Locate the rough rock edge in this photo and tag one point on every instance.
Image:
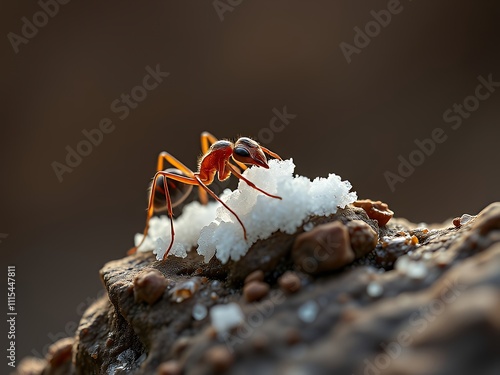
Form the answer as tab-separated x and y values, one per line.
349	320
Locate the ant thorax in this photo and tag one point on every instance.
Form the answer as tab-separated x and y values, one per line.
220	145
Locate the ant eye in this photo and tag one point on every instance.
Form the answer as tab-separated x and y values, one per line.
240	151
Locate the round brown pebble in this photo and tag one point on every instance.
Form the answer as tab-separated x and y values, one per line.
169	368
456	222
375	210
180	345
325	248
219	358
257	275
289	282
255	290
362	237
292	337
149	286
260	342
210	332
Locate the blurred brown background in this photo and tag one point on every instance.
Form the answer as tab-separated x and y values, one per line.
226	77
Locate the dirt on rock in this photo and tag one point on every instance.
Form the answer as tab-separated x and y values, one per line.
410	300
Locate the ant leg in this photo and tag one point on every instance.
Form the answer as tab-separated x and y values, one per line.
165	156
250	183
213	195
185	180
207	140
270	153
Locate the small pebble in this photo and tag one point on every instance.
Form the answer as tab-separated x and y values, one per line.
180	345
216	284
362	237
257	275
442	260
210	332
225	317
427	256
169	368
292	336
219	358
374	289
465	218
149	286
289	282
185	289
414	240
402	264
325	248
199	311
308	226
308	311
416	270
375	210
260	342
255	291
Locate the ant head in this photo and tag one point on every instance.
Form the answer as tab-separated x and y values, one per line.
248	151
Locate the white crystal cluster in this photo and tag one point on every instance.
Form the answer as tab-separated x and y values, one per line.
215	231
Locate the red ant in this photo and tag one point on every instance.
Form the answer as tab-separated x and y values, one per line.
216	159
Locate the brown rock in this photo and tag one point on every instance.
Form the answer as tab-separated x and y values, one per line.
220	358
375	210
255	290
257	275
169	368
180	346
292	336
325	248
260	342
363	238
149	286
457	306
289	282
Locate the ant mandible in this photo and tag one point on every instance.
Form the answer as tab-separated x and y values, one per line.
216	159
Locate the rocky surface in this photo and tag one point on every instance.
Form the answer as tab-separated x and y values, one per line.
350	297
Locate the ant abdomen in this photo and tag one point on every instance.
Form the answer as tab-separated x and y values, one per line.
178	191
